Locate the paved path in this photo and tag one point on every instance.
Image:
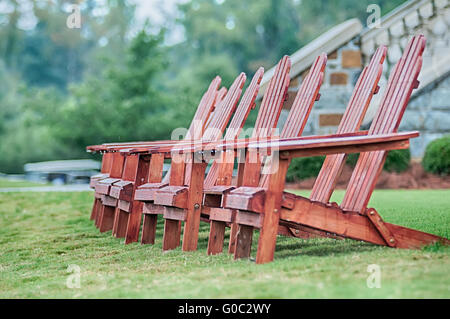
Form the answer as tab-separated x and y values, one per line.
62	188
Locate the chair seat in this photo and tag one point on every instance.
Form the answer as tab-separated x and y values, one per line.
96	178
146	192
213	195
175	196
122	190
104	186
109	201
246	198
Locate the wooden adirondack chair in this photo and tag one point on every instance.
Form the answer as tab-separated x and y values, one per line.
365	88
146	193
103	186
184	203
266	208
295	123
104	173
204	110
128	212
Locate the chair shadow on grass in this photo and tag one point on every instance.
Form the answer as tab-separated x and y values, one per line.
320	247
286	247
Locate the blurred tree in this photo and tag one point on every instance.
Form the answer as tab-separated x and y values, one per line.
126	102
259	32
63	88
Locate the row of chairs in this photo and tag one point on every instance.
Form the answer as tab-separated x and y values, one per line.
131	183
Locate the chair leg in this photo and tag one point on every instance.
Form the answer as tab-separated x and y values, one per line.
267	239
149	229
133	223
120	223
233	235
94	209
243	242
171	237
99	215
216	237
107	218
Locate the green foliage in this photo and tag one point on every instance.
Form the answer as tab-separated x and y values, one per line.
437	156
304	167
26	137
396	160
259	32
63	89
126	102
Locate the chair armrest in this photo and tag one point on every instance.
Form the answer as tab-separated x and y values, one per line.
337	145
308	146
114	147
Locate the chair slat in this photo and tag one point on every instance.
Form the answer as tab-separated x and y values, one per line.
224	111
303	103
236	125
268	115
270	109
387	120
206	106
351	121
305	98
221	116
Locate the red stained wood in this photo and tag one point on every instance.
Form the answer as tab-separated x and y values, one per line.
216	237
353	225
172	196
243	244
174	213
401	82
365	88
171	237
272	208
193	209
149	229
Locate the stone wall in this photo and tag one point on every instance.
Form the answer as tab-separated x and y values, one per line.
429	113
429	108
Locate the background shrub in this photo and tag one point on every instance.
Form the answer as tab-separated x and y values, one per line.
396	161
437	156
304	167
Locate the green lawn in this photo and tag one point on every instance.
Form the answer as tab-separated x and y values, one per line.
41	234
5	183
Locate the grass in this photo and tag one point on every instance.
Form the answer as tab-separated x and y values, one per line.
5	183
41	234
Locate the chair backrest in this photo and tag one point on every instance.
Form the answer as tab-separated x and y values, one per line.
222	172
307	94
365	88
205	108
268	115
273	99
204	114
221	116
402	80
106	163
224	110
117	165
219	97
